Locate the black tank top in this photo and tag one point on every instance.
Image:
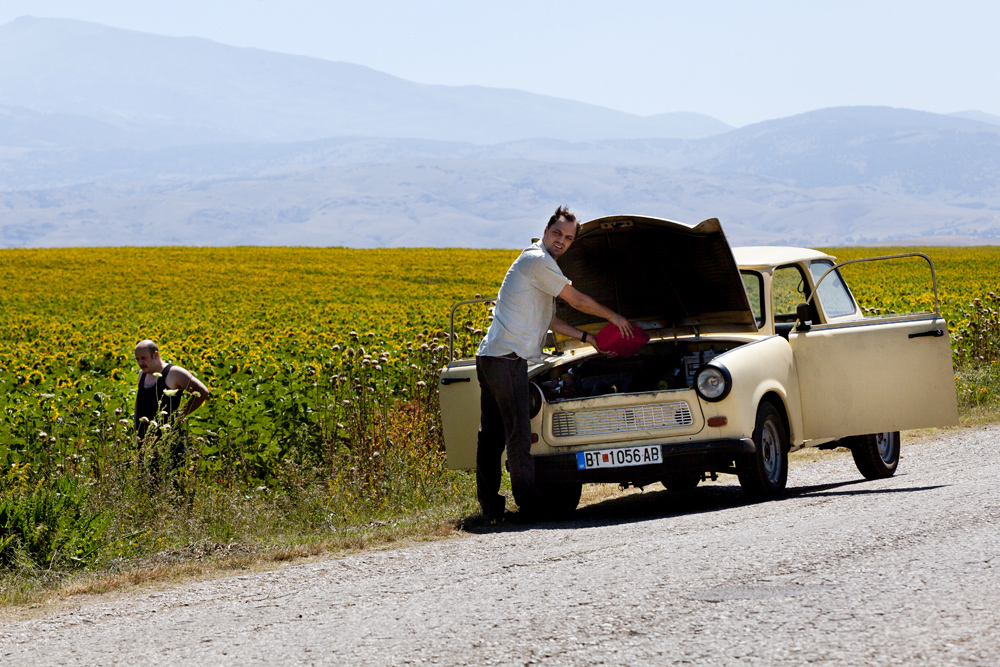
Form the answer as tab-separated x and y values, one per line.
151	400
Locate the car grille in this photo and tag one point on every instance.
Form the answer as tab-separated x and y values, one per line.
612	420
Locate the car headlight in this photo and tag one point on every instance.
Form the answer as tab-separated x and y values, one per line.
713	382
534	399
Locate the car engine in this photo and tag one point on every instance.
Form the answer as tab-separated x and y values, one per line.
659	366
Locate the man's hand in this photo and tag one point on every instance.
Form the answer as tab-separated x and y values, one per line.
593	341
623	326
585	304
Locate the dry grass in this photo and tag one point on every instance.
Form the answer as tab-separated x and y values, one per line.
814	454
597	493
206	561
984	415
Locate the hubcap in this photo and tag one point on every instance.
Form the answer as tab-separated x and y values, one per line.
884	442
769	444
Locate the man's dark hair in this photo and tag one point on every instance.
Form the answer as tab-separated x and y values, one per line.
562	213
147	345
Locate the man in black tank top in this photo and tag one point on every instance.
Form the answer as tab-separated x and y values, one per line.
161	389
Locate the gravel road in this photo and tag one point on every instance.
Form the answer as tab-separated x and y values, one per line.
904	571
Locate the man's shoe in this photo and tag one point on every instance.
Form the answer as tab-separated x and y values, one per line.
527	513
494	508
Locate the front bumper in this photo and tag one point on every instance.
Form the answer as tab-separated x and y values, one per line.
698	456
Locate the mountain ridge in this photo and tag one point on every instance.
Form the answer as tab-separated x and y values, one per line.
251	94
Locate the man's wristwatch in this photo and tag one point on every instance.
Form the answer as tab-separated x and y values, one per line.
583	338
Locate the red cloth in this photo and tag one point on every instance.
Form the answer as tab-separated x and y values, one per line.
609	339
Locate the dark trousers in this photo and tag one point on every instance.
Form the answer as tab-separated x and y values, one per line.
504	423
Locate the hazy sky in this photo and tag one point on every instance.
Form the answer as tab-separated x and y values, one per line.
738	61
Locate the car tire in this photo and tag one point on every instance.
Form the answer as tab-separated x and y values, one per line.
876	454
763	473
559	499
681	482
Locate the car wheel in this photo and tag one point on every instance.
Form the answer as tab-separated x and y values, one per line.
764	473
681	482
876	455
559	499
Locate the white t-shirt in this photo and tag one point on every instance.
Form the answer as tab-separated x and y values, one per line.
525	306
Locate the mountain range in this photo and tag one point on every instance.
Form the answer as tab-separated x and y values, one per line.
175	91
112	137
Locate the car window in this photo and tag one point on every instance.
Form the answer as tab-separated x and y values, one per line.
789	288
833	294
753	283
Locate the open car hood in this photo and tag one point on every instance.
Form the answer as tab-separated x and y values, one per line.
668	277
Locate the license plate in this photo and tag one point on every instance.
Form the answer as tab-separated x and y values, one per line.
618	458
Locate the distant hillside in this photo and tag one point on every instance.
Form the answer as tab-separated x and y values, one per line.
187	90
923	154
24	128
470	203
978	116
837	176
920	154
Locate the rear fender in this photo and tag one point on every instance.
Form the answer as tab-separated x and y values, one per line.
459	393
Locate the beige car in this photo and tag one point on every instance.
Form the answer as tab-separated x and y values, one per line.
753	353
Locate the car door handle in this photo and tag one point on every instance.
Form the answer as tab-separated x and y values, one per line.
937	333
451	380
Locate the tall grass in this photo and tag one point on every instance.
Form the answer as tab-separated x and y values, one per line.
976	348
358	442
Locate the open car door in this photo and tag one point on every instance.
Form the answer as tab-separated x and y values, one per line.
875	375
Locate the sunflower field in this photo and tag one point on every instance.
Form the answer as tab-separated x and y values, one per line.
321	364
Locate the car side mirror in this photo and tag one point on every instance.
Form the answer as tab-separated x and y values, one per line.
803	316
